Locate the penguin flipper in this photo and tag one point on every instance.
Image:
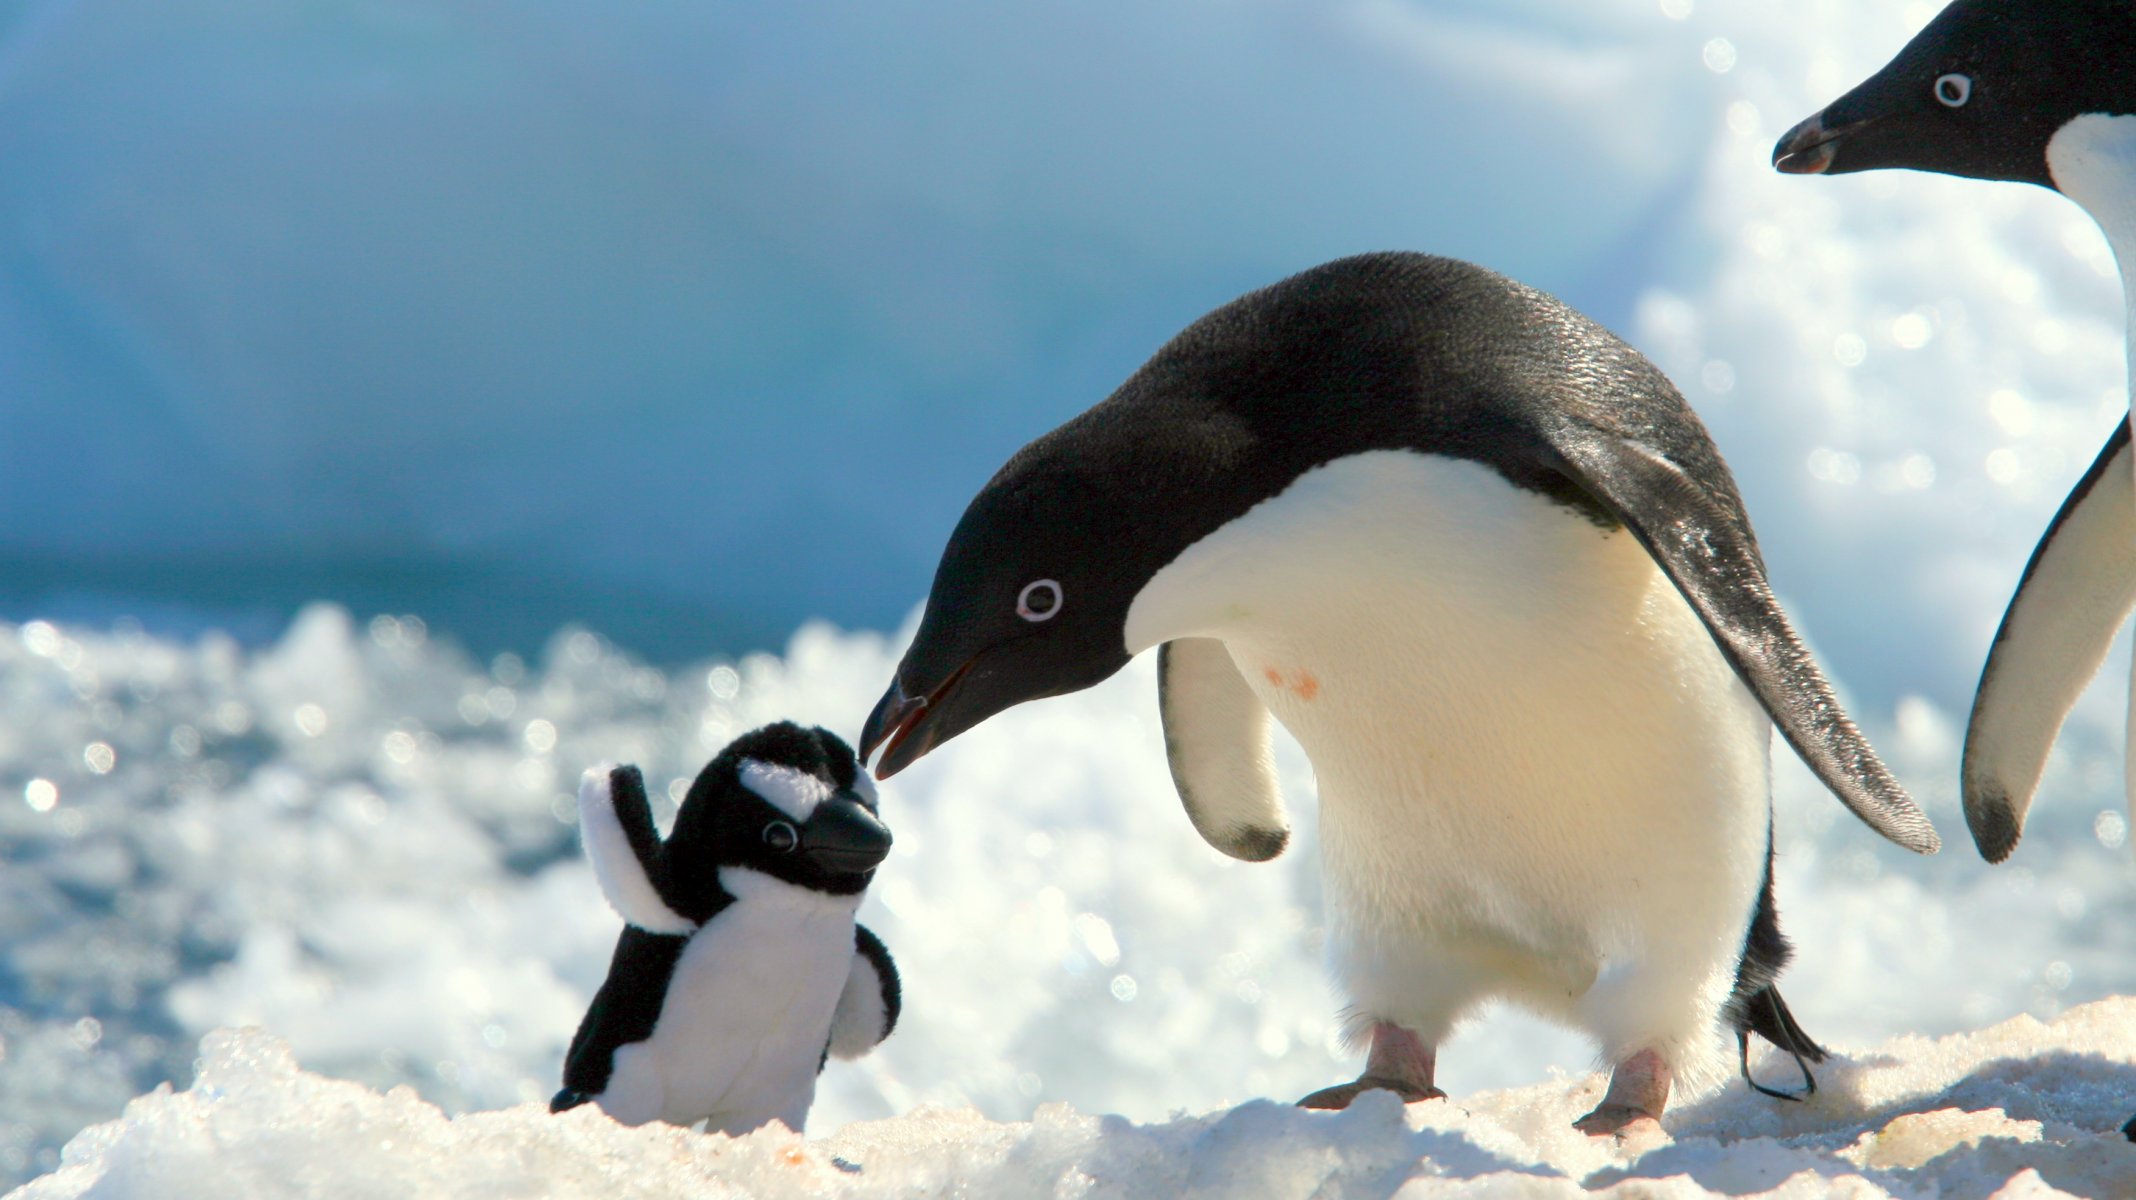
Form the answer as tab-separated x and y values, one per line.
868	1008
616	824
1216	737
2075	593
1698	535
624	1010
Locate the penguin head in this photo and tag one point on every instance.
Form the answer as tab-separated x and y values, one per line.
789	802
1029	600
1980	92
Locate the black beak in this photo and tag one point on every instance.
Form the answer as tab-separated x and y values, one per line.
1809	148
844	837
903	722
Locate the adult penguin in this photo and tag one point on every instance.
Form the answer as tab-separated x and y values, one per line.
2042	92
1482	560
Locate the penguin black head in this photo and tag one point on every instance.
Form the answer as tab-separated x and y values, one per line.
1029	600
789	802
1979	92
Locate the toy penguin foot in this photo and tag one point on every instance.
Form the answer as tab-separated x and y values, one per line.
1342	1094
1400	1062
1638	1091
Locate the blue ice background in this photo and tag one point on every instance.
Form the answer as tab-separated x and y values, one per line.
690	321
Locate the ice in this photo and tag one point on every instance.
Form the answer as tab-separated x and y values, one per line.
2014	1110
389	886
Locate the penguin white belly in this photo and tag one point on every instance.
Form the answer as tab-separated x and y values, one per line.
742	1031
2093	161
1539	778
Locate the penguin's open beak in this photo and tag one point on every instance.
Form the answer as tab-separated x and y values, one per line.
844	837
902	721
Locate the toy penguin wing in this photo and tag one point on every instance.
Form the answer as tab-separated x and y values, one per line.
1216	738
616	824
868	1007
2075	593
623	1011
1698	536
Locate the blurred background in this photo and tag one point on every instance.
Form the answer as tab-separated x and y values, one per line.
578	357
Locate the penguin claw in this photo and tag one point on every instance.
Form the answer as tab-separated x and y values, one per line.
1617	1120
1342	1094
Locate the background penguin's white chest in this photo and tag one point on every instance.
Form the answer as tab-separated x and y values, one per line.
748	1009
1533	761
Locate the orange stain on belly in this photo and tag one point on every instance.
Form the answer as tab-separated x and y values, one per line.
1301	683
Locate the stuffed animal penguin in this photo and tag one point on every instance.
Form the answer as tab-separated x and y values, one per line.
741	968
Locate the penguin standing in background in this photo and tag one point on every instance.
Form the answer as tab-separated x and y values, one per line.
741	968
1482	560
2044	92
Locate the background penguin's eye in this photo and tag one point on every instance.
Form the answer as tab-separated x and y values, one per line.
1040	600
1954	89
782	837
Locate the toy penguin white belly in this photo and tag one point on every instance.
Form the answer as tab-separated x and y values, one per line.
747	1013
743	968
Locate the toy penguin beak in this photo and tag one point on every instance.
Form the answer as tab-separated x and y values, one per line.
843	836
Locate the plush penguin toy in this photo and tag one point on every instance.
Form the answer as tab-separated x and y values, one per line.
2041	92
741	968
1483	561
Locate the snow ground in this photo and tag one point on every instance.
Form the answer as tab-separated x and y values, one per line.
358	839
2021	1109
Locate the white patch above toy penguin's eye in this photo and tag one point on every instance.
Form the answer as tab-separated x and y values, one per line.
782	836
1040	600
1954	89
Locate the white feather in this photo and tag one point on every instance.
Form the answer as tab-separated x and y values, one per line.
615	865
1539	779
2093	161
748	1011
861	1021
790	790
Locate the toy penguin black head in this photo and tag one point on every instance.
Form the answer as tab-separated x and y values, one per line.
789	802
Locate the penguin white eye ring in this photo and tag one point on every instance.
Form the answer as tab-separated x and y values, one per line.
782	836
1954	89
1040	600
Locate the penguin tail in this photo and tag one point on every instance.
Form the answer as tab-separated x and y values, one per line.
569	1098
1764	1013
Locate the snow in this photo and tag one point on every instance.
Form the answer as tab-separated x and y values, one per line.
2015	1110
358	839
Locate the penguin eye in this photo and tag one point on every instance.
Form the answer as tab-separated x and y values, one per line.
1040	600
1953	90
782	837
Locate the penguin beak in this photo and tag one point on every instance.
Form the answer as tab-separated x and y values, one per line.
902	721
1810	147
842	836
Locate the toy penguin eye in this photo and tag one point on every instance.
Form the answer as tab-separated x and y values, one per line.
782	837
1953	90
1040	600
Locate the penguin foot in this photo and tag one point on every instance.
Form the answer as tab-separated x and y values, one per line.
1638	1091
1342	1094
1616	1120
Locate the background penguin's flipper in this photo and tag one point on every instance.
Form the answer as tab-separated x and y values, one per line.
868	1007
2074	595
616	824
1216	735
1700	538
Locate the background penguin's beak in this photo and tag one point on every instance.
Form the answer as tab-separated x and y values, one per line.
1809	148
843	836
